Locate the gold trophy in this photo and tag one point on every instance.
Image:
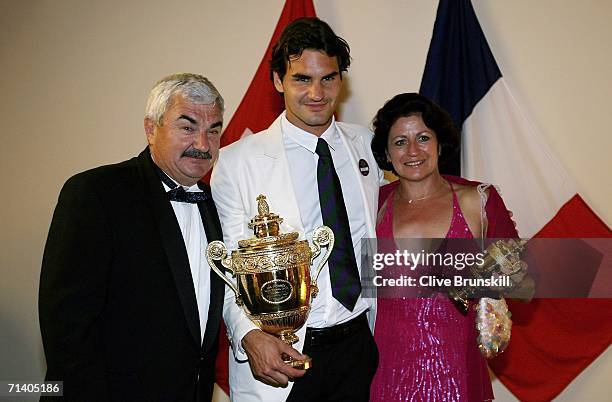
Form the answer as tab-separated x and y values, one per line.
493	323
502	258
272	271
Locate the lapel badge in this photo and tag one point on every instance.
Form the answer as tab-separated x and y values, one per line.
363	167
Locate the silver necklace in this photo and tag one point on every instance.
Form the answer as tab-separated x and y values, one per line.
411	200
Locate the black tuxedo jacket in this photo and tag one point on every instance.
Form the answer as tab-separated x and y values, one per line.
117	306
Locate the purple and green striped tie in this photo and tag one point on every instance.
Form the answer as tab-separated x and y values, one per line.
343	271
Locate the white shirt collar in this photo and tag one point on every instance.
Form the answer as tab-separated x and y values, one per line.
193	188
306	139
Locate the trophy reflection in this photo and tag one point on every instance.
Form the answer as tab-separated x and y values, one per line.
272	270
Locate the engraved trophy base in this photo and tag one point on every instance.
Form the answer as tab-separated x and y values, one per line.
289	320
289	337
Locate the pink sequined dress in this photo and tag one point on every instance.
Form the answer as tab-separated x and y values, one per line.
428	349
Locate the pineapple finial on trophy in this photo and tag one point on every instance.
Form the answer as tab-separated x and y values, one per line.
265	224
262	205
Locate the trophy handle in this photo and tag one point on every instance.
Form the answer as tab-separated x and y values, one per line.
322	236
216	251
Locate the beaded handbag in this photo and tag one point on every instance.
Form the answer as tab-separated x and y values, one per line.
494	326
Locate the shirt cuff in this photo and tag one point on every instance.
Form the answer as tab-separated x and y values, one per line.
240	330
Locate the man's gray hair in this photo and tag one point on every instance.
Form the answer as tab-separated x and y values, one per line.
194	88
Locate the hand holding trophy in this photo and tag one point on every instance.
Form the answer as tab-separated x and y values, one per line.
272	270
502	259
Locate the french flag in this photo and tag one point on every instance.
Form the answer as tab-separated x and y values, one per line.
553	340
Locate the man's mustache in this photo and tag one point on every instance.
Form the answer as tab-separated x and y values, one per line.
196	153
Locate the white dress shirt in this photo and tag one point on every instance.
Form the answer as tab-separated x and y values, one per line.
190	222
300	148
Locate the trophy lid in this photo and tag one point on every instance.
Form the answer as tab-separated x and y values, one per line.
266	226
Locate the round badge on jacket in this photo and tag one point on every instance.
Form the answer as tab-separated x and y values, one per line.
364	168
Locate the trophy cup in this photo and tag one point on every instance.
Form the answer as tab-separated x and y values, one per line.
493	323
272	270
501	259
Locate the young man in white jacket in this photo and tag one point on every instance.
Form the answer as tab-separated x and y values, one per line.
313	171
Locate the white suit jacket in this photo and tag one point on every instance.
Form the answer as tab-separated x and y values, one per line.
258	165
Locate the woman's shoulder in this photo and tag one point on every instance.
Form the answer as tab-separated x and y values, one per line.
469	198
472	195
469	188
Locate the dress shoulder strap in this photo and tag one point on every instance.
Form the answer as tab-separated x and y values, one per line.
455	199
482	192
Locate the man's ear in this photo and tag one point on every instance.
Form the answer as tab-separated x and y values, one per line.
149	127
278	83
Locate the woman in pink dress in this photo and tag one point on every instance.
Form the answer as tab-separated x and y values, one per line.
428	348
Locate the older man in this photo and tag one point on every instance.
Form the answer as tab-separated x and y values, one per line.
129	309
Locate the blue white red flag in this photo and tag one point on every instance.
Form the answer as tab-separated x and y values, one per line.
553	340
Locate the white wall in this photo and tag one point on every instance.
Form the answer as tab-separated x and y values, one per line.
75	76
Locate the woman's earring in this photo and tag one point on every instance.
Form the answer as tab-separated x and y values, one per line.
439	150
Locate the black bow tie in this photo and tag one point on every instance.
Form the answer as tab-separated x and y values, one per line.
178	193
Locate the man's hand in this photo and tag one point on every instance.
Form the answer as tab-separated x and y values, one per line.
265	352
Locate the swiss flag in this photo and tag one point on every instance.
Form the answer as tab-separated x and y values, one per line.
260	106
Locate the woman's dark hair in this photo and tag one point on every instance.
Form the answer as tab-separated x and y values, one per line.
434	117
307	33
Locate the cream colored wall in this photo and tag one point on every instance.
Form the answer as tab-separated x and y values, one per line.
75	75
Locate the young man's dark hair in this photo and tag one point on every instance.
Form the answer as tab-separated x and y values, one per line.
307	33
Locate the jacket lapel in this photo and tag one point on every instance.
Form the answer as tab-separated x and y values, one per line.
276	182
357	150
172	240
212	227
369	186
